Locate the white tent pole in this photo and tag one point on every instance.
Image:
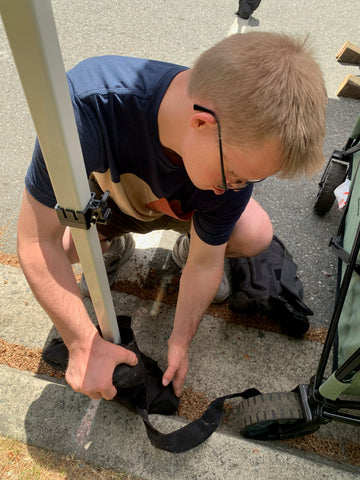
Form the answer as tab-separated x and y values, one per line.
33	39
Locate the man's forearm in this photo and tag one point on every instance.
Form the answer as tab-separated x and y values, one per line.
46	266
50	276
197	290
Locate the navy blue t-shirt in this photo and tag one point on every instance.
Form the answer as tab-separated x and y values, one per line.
116	101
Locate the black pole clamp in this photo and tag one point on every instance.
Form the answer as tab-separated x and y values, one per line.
95	211
335	244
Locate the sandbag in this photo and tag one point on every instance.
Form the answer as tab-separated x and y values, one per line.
140	389
137	387
268	283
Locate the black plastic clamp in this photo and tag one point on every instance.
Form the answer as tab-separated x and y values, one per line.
335	244
95	211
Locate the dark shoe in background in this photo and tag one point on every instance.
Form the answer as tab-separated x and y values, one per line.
247	7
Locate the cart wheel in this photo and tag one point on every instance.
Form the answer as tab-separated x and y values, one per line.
334	175
274	416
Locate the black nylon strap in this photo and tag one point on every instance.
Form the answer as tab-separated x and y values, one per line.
194	433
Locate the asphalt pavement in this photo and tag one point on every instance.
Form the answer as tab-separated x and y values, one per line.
225	356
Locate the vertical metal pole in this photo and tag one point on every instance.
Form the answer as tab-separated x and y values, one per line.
31	31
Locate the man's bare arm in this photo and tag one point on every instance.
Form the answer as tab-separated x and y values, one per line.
199	283
45	264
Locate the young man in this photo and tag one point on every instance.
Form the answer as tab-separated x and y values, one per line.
178	149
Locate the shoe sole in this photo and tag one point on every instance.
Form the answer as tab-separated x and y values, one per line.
128	253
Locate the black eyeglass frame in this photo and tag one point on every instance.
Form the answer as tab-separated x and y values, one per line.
223	178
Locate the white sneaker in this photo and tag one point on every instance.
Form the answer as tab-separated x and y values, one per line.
119	252
180	253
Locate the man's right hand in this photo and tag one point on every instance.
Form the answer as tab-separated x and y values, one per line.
92	364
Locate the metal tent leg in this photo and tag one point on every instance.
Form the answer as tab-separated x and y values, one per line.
33	39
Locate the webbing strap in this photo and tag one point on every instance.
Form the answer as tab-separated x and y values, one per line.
194	433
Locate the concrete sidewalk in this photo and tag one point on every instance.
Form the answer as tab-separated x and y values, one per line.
228	354
105	434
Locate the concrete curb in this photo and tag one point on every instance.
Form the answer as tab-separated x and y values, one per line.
52	416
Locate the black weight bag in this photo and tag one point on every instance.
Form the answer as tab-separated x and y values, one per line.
140	389
137	387
268	283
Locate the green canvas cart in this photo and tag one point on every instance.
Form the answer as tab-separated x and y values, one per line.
327	397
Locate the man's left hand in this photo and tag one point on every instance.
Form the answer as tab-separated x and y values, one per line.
178	365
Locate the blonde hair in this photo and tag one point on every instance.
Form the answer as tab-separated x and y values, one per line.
265	85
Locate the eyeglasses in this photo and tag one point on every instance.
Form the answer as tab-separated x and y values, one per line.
225	186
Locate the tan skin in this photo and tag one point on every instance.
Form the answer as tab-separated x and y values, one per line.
46	251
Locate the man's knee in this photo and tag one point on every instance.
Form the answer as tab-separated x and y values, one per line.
252	233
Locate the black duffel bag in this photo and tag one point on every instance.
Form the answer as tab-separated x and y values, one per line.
268	283
140	389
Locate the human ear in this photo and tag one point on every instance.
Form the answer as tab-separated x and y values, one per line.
202	119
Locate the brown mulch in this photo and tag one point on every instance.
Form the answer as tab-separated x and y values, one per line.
328	447
9	259
192	404
149	289
25	358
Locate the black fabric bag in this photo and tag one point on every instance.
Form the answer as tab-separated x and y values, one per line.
267	283
137	387
140	389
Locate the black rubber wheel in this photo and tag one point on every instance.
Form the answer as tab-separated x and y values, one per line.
273	416
334	175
